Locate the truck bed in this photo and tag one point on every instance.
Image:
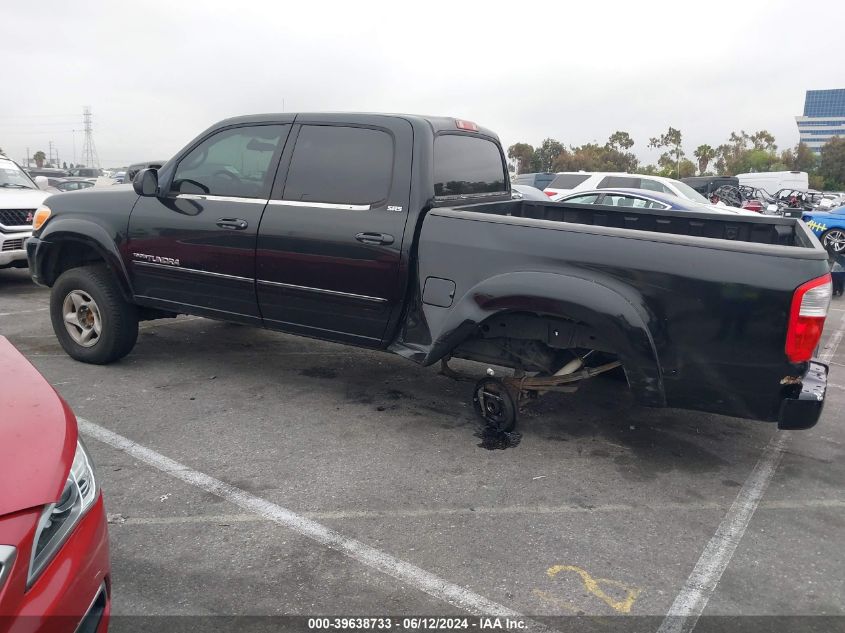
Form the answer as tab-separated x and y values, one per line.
700	302
768	230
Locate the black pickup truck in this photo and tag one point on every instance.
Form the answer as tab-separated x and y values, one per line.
399	233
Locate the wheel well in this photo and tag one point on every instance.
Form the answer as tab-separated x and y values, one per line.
70	254
528	341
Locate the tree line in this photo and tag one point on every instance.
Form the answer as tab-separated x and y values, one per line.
742	152
40	159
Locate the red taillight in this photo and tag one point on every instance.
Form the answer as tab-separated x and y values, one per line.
806	318
466	125
752	205
549	193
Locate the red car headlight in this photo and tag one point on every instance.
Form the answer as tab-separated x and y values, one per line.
59	519
7	559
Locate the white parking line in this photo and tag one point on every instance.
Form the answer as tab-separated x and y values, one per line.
431	584
2	314
692	599
690	602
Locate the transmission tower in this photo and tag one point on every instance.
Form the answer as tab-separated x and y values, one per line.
89	150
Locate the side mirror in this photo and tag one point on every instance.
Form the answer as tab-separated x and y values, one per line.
41	182
145	182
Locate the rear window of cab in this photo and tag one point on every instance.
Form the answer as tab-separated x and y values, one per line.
467	165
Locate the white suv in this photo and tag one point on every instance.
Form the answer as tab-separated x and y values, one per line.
572	181
19	198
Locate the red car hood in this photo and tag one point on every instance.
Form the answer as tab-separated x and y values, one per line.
37	435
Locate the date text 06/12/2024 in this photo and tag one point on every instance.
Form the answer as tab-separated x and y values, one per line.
415	623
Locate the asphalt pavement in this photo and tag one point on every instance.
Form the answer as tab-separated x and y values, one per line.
248	472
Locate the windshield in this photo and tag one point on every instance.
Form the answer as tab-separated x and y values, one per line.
11	176
688	192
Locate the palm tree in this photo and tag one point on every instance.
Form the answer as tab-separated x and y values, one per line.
39	158
704	154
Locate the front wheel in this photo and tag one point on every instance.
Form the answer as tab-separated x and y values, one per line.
91	319
834	240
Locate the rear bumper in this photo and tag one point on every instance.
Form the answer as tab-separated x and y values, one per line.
803	406
12	248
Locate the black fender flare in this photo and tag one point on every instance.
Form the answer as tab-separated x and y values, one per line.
63	230
618	313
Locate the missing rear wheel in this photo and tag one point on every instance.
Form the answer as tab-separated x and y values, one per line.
495	404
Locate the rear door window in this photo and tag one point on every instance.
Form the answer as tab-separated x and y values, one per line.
654	185
567	181
340	165
632	201
467	165
616	182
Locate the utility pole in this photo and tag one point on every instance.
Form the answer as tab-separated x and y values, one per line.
50	150
678	151
89	151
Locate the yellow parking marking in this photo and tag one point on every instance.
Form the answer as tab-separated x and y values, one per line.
593	586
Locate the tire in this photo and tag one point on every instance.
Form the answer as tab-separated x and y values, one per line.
91	295
830	235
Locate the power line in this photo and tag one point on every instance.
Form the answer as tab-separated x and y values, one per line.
33	116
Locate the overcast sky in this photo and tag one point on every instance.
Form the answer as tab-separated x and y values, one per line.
157	73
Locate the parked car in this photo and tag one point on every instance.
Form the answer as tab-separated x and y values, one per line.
73	184
570	182
644	199
119	177
706	185
398	233
829	226
48	172
788	203
775	180
136	167
526	192
86	172
538	180
54	551
830	200
20	196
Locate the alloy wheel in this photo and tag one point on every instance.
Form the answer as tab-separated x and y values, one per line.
81	317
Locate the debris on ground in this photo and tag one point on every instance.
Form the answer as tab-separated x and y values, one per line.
493	439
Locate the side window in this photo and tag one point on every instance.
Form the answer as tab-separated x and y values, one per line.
653	185
233	162
567	181
622	201
588	199
467	165
614	182
340	165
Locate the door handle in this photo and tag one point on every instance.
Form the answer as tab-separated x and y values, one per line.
374	238
234	224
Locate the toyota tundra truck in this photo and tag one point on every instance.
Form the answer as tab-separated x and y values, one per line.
399	233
